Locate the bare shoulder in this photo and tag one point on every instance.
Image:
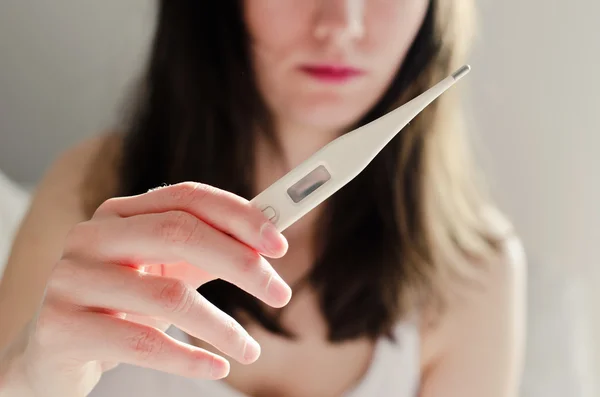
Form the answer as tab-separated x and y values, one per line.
57	204
71	168
491	308
56	201
505	277
482	328
504	274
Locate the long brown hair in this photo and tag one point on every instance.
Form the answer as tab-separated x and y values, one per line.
390	236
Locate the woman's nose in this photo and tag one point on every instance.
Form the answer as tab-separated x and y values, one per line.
340	20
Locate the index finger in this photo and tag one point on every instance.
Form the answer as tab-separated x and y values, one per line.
223	210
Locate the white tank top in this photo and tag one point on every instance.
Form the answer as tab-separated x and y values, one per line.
394	371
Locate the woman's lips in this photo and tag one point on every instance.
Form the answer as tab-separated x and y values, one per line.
332	73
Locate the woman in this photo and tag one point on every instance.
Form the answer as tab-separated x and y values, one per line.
405	282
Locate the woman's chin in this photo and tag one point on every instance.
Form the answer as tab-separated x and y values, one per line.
325	117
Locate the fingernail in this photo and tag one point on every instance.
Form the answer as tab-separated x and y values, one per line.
219	369
272	240
251	350
279	290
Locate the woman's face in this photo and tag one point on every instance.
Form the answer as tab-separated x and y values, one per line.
325	63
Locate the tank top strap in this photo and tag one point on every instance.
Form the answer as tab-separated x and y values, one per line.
395	365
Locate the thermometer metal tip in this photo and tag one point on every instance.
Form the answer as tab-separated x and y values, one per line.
462	72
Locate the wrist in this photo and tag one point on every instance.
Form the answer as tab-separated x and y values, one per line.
13	379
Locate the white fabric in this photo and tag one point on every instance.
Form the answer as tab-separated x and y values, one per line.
13	204
394	372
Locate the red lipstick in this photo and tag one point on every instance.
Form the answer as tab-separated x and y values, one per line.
332	73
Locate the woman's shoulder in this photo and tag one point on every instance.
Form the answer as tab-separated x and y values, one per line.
79	175
76	177
488	309
93	159
69	180
100	176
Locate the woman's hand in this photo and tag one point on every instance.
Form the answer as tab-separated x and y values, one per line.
132	270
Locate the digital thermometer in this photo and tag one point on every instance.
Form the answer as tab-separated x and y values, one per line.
337	163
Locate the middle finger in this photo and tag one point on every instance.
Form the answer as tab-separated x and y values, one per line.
176	236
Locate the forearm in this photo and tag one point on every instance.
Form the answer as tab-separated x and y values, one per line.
13	380
14	322
21	293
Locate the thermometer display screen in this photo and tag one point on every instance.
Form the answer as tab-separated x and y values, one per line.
311	182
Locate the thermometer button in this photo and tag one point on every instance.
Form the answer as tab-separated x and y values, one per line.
270	213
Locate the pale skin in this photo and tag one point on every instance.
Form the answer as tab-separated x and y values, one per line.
475	350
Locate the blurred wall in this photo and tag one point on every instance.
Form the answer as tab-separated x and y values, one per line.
534	94
64	66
